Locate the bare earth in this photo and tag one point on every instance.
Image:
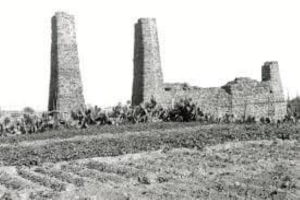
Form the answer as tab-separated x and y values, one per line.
235	170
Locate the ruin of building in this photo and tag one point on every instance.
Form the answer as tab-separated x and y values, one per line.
66	93
242	97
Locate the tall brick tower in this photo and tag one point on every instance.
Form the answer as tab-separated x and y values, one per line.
148	78
66	91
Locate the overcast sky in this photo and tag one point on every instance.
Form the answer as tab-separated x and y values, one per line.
204	43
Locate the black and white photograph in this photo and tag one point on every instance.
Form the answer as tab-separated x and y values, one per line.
150	99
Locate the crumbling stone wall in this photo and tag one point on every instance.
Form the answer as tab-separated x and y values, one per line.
241	98
66	91
214	101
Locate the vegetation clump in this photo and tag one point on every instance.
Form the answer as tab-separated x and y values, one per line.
185	110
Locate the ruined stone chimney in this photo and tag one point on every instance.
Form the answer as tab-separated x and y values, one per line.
66	91
148	78
270	74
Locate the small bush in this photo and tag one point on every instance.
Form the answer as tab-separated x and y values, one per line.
28	110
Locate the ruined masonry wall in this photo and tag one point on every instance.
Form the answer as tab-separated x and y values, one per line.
241	97
66	91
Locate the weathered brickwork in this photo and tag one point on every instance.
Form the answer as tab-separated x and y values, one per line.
241	98
66	91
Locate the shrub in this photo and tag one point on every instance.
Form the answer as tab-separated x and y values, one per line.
28	110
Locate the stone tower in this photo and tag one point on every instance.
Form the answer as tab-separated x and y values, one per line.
66	91
270	73
148	78
276	101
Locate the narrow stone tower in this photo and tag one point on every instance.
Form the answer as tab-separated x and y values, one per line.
148	78
66	91
276	102
270	73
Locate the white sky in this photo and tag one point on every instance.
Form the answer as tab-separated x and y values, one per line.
204	43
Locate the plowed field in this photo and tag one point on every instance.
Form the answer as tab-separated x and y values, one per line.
261	169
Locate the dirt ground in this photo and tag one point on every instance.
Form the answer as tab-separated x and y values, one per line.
235	170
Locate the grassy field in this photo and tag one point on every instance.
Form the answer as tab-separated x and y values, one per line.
154	161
